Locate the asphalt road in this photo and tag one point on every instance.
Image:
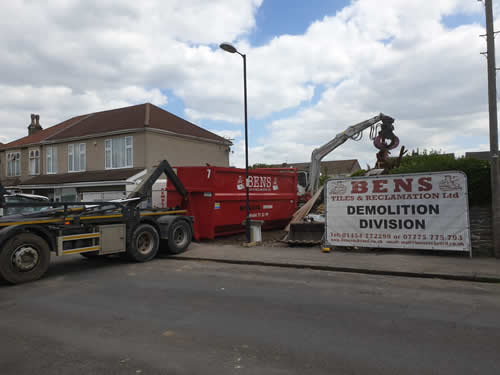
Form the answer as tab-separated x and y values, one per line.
186	317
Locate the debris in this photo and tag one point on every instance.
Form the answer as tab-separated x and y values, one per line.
320	209
249	244
314	218
305	209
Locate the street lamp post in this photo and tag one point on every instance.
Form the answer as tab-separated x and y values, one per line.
231	49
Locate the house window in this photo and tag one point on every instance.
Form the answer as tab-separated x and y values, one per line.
14	164
119	152
76	157
34	161
51	153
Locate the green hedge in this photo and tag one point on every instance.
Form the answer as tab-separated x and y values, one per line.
477	171
359	172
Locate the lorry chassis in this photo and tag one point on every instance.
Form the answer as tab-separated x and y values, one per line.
91	229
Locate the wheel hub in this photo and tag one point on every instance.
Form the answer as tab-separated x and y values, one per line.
145	243
179	236
25	258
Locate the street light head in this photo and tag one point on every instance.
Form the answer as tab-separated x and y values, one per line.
228	48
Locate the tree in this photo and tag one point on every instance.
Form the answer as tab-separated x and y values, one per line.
477	171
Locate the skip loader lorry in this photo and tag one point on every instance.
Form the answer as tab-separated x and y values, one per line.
91	229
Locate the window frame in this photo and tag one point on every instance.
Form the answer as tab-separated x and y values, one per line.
34	156
128	146
51	167
77	157
16	161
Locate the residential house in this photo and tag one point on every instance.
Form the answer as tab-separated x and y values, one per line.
101	155
481	155
333	168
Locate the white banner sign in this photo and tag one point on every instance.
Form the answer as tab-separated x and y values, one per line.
415	211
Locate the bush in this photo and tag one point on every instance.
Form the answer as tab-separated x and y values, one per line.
477	171
359	172
261	165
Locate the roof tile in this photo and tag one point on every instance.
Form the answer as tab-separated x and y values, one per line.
127	118
135	117
42	134
106	121
161	119
10	181
332	166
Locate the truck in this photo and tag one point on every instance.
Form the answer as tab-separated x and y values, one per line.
92	229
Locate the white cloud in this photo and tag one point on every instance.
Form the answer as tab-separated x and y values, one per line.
390	56
70	57
57	103
66	57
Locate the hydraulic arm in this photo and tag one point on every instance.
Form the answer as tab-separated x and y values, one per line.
141	191
354	132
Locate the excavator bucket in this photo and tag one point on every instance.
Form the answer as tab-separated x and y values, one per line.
305	234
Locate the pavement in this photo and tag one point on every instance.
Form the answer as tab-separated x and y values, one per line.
424	265
177	317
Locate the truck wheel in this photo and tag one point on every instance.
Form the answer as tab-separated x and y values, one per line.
144	244
179	237
25	257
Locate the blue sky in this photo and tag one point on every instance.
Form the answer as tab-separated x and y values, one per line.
277	18
293	17
273	19
314	68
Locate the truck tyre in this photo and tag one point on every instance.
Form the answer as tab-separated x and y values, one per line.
144	243
25	257
179	236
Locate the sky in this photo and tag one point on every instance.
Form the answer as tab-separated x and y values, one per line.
313	69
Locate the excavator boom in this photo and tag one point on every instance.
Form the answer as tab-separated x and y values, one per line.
301	232
350	133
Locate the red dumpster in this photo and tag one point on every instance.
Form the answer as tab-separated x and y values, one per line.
217	198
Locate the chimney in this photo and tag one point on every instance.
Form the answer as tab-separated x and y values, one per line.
35	124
